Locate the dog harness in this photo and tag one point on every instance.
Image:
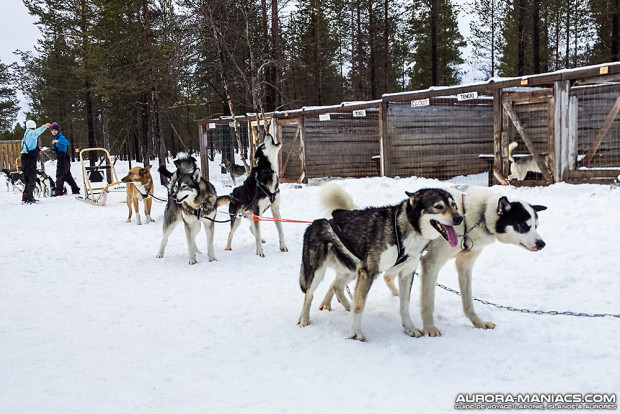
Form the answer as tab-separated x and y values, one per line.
402	255
465	236
271	196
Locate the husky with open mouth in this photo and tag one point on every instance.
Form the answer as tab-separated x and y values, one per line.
487	217
364	243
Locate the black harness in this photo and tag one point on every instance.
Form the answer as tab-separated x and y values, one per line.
402	255
271	196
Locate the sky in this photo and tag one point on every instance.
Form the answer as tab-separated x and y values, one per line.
17	32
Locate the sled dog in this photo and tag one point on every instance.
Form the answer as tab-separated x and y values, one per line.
192	200
258	192
139	187
363	243
46	182
15	179
234	170
520	166
487	217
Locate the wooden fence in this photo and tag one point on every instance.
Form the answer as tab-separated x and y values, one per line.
566	120
10	155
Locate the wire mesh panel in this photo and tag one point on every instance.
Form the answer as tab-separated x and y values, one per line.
342	144
597	146
528	116
440	137
291	167
224	152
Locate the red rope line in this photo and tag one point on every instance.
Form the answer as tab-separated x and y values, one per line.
279	220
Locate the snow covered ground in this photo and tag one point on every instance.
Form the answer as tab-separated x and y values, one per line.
91	322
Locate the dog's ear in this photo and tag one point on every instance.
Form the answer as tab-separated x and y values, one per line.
148	168
503	206
412	196
197	174
539	208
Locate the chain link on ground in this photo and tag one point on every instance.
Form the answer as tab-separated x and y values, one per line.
522	310
535	312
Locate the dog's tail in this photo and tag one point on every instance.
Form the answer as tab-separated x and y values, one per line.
511	147
222	201
335	198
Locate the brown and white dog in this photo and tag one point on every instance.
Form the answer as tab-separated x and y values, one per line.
139	187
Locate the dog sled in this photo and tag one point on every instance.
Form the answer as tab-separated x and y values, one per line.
96	190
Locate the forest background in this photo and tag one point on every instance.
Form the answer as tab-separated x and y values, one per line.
136	75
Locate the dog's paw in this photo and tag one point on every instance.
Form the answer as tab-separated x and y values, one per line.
325	306
413	332
284	249
212	259
263	241
227	248
193	261
358	337
484	325
303	322
159	255
261	254
432	332
128	221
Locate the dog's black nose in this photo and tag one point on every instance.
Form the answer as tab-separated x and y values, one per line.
540	244
457	219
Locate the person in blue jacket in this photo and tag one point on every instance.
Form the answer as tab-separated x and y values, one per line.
60	145
29	157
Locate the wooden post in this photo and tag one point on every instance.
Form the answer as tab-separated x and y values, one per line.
561	91
497	133
384	150
573	125
302	149
204	156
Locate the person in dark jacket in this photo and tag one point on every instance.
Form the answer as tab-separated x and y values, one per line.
60	145
29	157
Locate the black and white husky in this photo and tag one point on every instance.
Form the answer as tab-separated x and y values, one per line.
14	178
487	217
192	200
260	191
364	243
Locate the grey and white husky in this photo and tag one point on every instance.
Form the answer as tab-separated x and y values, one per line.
487	217
192	200
364	243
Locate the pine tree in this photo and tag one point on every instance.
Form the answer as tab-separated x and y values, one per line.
436	41
486	29
8	100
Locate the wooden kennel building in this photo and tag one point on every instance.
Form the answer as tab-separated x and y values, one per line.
567	120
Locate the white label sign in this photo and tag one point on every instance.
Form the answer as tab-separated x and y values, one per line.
360	113
420	102
467	96
212	126
324	117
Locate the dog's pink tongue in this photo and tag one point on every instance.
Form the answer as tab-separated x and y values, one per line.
453	238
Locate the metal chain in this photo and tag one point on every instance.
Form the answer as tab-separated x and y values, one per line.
536	312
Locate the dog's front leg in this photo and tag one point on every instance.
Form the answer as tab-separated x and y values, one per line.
405	279
364	282
209	230
147	209
464	265
431	264
137	208
190	235
275	211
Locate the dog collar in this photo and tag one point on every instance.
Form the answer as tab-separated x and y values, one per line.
465	236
